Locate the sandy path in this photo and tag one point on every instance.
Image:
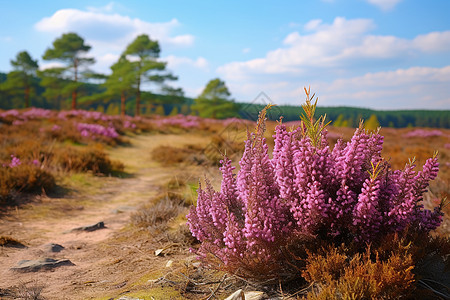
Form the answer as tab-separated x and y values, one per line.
101	263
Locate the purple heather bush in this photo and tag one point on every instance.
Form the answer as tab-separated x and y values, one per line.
95	130
307	189
421	133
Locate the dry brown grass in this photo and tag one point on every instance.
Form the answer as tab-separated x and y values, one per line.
155	217
168	155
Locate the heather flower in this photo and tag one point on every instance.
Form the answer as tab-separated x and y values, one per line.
94	130
14	162
128	124
18	122
421	133
11	112
306	189
367	212
56	127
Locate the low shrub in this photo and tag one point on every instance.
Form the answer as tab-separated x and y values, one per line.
91	158
264	215
155	217
168	155
24	178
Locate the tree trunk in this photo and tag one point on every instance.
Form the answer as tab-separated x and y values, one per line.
74	92
27	97
74	99
122	104
138	102
138	92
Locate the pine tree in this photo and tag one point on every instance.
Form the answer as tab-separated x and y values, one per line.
71	50
215	101
146	66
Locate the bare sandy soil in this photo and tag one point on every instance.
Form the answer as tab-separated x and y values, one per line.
108	262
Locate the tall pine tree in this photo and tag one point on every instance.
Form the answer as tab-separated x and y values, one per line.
144	53
121	81
71	50
23	77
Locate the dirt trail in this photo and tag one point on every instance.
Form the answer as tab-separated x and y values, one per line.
102	263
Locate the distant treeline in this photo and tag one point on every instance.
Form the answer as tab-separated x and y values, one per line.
92	97
350	116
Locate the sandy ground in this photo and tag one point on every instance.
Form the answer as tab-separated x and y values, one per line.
107	262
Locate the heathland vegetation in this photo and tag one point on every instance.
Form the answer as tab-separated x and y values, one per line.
71	84
315	211
294	208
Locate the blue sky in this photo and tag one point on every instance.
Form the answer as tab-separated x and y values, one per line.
382	54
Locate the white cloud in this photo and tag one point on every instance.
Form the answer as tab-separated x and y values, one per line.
433	42
415	87
193	91
313	24
113	29
411	88
109	33
336	47
346	49
48	65
174	61
385	5
105	61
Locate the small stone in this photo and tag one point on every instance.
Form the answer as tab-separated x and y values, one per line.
40	264
158	251
89	228
169	263
238	295
52	247
253	295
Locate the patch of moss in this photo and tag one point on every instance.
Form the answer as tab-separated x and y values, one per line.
154	275
157	293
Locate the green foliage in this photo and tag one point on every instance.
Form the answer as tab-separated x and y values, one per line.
215	101
185	110
159	110
112	110
146	67
387	118
340	122
70	49
22	80
312	128
372	123
174	111
53	82
121	81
